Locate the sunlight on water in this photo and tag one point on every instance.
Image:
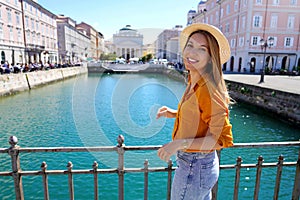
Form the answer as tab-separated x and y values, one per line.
93	110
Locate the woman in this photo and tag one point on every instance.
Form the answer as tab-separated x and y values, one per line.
202	119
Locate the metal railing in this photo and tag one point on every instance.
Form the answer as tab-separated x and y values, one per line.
17	174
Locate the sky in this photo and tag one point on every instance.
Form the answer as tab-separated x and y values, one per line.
108	16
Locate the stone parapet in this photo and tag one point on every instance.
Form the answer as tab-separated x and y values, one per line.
13	83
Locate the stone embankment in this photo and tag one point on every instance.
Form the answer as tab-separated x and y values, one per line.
277	97
13	83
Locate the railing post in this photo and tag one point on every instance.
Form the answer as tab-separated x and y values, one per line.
121	166
170	164
296	190
45	180
278	177
95	167
237	178
16	167
258	175
70	179
146	165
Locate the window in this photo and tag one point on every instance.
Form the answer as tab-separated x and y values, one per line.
241	41
243	22
9	16
255	40
276	2
293	2
1	31
288	42
258	2
19	36
32	24
235	7
42	28
33	38
274	20
18	19
232	43
290	22
234	25
11	33
228	9
26	22
227	28
257	21
28	36
274	41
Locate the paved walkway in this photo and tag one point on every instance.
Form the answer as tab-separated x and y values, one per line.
283	83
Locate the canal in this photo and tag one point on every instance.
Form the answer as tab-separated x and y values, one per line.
92	110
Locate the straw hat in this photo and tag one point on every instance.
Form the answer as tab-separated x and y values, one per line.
221	39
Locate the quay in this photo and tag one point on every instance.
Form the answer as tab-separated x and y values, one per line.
14	83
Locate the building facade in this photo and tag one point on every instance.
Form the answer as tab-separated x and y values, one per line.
95	38
249	24
162	40
172	50
27	32
128	43
73	44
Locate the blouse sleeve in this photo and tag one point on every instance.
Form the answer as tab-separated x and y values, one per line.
216	115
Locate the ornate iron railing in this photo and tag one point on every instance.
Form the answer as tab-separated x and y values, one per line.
17	174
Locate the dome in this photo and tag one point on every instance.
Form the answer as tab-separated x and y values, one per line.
127	28
202	2
192	11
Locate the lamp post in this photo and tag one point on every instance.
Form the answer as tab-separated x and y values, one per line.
204	12
264	44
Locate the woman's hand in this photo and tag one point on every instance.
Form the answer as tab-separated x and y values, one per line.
169	149
166	112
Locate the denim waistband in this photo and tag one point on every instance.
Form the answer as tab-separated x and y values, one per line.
195	155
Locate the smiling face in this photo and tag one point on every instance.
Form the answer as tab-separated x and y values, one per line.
196	54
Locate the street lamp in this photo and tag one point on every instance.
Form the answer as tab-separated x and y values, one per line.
264	44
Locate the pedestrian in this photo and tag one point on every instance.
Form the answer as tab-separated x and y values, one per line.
202	118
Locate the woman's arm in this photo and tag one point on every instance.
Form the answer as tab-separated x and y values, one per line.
205	144
166	112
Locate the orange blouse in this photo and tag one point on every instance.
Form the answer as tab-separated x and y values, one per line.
202	113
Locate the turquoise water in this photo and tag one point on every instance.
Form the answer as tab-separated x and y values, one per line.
92	110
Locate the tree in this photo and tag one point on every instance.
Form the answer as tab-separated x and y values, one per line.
147	57
109	56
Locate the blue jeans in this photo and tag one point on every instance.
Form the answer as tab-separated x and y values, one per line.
195	176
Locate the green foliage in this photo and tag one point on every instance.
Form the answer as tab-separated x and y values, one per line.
109	56
147	57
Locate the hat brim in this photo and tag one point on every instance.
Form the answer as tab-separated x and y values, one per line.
218	35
